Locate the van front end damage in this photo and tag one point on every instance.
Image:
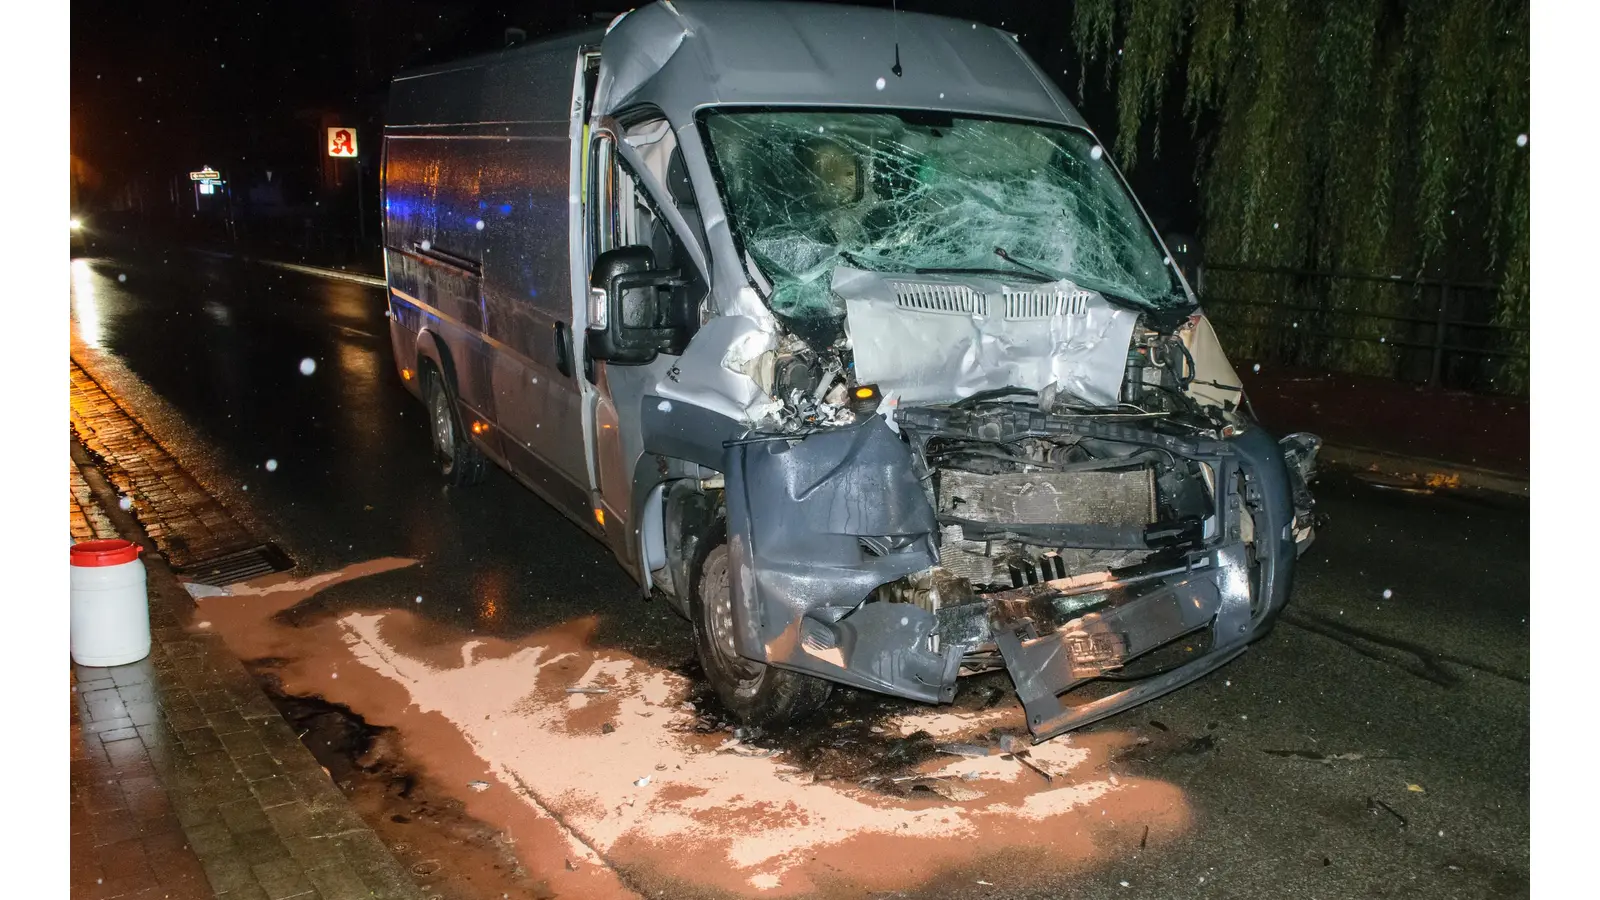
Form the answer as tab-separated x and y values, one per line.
1067	549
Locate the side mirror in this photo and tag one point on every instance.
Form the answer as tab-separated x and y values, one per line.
631	314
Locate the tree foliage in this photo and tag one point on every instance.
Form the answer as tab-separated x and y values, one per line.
1366	136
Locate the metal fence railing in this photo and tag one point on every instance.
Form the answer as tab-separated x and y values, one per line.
1416	330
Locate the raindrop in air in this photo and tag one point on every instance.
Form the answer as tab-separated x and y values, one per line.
1387	593
272	465
1096	152
1256	367
881	83
1522	140
419	598
122	277
1274	226
427	245
941	95
125	502
480	221
307	366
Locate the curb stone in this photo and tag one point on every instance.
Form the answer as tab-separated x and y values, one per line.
1423	472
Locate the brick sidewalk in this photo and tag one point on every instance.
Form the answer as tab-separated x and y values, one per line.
194	531
188	783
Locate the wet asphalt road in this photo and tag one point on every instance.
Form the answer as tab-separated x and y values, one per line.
1429	684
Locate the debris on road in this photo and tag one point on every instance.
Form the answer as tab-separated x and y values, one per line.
641	782
971	751
1017	748
607	728
1374	804
949	790
1316	756
478	785
1416	789
588	690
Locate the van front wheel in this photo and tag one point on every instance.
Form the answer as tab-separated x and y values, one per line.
758	694
459	461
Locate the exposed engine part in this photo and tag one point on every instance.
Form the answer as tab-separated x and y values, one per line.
995	564
1159	372
1050	498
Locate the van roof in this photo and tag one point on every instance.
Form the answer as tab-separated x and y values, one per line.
681	55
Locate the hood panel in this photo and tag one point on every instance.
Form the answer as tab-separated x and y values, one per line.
931	340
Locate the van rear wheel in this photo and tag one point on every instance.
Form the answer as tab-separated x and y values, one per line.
460	462
758	694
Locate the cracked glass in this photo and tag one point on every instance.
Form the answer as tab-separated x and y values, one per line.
905	191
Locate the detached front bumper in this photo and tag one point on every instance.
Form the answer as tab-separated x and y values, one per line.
1057	636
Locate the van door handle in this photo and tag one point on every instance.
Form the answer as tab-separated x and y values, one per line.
563	349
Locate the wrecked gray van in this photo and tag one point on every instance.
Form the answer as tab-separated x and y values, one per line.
841	330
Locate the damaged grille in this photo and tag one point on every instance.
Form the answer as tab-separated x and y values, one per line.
947	298
1045	304
963	300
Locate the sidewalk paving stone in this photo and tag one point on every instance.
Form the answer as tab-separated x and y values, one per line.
185	780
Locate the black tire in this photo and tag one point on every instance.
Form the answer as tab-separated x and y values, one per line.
758	694
460	462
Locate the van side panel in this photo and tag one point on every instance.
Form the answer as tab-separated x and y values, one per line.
434	256
477	208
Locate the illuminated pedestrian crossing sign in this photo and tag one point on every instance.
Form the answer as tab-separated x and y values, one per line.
342	142
206	174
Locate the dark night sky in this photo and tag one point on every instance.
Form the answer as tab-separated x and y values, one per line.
161	88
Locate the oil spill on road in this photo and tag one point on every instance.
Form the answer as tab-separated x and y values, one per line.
643	788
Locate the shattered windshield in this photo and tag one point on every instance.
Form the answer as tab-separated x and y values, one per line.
906	191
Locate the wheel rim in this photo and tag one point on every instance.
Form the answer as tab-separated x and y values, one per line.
443	427
716	596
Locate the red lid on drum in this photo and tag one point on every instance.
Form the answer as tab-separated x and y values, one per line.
105	553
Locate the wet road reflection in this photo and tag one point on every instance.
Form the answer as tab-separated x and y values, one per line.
222	341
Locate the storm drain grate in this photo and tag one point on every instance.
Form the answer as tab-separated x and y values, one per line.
232	568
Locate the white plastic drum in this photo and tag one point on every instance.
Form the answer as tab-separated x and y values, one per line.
110	609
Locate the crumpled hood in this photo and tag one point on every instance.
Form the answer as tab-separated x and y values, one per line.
933	339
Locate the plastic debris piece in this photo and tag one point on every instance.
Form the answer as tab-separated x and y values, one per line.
478	785
972	751
641	782
588	690
1416	789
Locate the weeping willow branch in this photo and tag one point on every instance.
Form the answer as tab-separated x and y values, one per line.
1376	136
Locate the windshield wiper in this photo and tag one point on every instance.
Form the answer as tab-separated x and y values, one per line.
1025	269
1001	252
